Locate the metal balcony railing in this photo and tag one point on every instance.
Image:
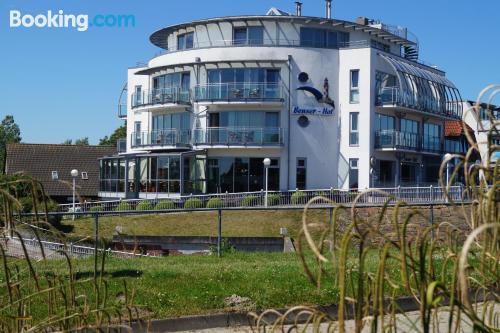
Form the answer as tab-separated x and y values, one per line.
167	137
393	96
238	136
272	92
408	141
173	95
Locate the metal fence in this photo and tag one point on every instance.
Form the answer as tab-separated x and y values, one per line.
275	199
55	250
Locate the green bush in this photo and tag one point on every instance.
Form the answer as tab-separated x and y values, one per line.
144	205
95	209
192	203
273	199
122	206
165	205
214	203
251	200
27	205
298	197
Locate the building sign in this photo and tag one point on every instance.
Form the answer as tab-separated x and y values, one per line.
313	111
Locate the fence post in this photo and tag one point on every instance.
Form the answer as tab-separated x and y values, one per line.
219	232
96	237
431	220
431	194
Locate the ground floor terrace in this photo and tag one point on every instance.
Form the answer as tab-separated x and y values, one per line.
201	172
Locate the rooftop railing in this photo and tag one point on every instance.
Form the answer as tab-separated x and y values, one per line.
393	96
173	95
238	136
239	92
166	137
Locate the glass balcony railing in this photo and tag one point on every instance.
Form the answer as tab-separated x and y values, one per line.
397	140
161	96
393	96
167	137
238	136
272	92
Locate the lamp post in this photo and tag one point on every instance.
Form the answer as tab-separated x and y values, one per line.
267	163
74	174
447	158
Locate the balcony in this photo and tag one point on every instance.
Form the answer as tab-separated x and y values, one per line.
394	97
396	140
163	138
160	97
239	92
238	136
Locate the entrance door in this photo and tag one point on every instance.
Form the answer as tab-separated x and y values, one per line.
408	174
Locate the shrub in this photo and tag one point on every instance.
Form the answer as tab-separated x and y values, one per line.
273	199
122	206
95	209
54	220
192	203
144	205
165	205
27	205
214	203
251	200
298	197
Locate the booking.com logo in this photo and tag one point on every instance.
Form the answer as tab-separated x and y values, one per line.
59	19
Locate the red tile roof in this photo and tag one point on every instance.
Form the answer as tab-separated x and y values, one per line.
455	128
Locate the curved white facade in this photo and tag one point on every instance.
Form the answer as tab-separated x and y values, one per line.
229	92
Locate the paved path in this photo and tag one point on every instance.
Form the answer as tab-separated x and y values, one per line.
408	322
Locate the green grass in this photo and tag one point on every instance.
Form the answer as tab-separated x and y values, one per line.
189	285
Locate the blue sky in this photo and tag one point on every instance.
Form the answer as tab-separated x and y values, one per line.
61	83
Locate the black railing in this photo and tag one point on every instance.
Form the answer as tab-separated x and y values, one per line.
398	140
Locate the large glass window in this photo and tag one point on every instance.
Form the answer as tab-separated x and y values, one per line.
112	175
158	174
385	88
313	37
409	133
171	88
383	122
240	174
354	91
432	137
248	35
171	128
185	41
353	129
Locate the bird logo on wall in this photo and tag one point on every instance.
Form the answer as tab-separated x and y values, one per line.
320	97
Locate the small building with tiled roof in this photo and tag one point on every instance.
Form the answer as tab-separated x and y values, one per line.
51	164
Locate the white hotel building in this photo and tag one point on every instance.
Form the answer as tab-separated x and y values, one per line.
333	104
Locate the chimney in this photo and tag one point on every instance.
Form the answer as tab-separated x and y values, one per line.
298	8
328	9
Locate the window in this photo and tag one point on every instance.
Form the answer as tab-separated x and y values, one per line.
432	137
313	37
137	96
85	175
137	134
301	177
248	36
55	175
353	172
353	129
384	123
185	41
171	88
354	93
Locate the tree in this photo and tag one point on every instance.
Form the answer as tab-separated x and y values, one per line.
9	133
82	142
78	142
119	133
